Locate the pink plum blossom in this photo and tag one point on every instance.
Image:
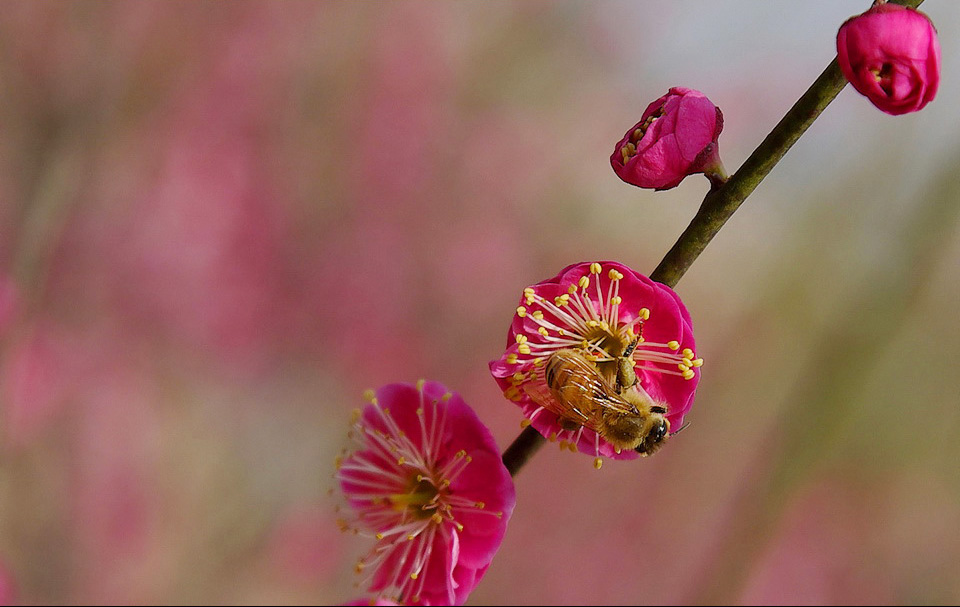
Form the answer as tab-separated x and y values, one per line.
891	55
601	310
428	483
676	136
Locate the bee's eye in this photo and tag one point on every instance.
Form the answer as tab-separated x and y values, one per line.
660	432
655	437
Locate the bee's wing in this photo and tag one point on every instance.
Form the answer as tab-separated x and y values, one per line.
543	396
582	391
587	378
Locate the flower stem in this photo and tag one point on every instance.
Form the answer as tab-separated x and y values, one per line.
721	203
522	449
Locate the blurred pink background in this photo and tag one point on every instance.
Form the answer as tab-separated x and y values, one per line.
221	222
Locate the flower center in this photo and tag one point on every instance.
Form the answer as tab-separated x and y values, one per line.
629	149
884	76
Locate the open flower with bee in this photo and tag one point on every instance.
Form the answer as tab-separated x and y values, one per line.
602	359
427	482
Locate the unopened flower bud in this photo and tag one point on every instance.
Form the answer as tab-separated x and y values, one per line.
676	136
891	55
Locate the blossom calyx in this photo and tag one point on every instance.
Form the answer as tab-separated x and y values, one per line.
891	55
676	136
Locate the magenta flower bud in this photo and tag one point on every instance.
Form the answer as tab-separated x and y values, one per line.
676	137
891	55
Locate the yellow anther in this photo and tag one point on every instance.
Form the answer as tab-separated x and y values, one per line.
553	437
420	383
595	268
616	300
688	374
511	358
592	324
521	338
529	299
631	333
542	331
561	332
436	518
401	461
359	567
562	300
446	482
413	575
379	536
644	313
446	396
572	446
687	362
697	362
521	311
683	367
338	461
584	344
410	538
524	349
458	525
512	393
480	505
584	282
597	463
461	453
605	326
538	315
614	275
687	353
518	377
563	445
420	411
369	394
537	361
673	344
529	291
524	423
637	133
572	289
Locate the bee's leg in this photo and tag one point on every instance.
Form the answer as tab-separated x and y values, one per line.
626	375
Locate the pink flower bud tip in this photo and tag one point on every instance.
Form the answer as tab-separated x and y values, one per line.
891	55
676	136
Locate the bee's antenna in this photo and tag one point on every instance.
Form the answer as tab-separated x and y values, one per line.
681	428
631	348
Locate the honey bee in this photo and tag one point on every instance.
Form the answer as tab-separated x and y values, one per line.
619	410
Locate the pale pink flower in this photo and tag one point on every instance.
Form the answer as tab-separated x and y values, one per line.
676	136
618	321
891	55
428	482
